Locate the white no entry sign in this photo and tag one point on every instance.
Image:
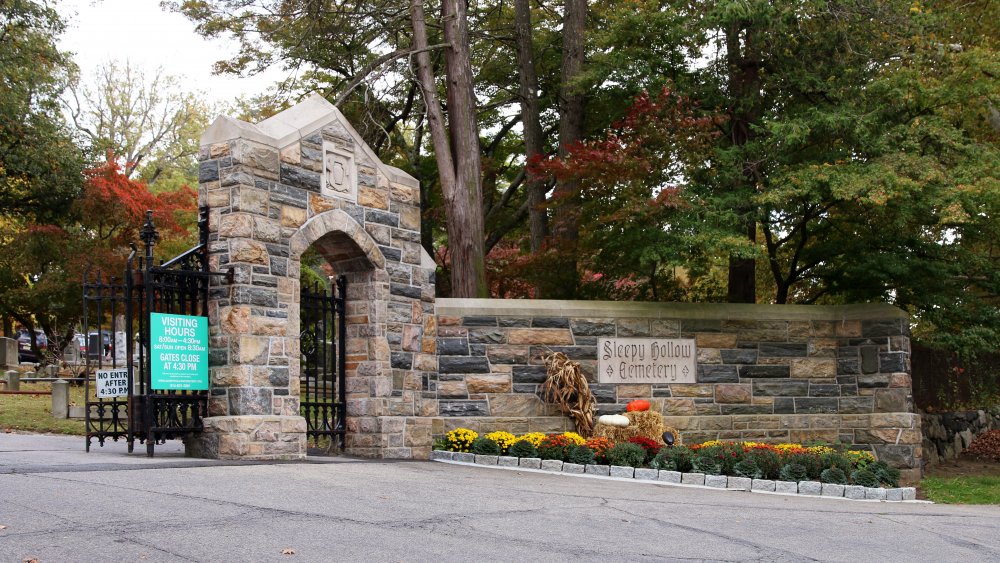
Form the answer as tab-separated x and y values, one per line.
111	382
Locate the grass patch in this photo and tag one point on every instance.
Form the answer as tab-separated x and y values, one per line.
33	413
969	489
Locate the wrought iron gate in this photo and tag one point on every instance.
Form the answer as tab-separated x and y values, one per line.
116	313
323	391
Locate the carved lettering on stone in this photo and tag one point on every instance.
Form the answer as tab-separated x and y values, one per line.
646	360
339	173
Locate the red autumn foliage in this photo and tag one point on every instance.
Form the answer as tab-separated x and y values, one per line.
115	205
651	446
653	136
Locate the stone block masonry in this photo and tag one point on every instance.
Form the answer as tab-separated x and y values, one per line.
417	367
764	372
299	180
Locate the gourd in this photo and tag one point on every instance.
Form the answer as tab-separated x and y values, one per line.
637	405
613	420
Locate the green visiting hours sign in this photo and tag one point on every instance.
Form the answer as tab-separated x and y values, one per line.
178	352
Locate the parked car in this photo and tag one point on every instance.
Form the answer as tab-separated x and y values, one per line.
24	351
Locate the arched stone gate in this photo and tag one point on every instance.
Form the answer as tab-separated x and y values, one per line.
305	178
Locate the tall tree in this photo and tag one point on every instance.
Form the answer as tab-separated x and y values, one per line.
456	144
531	122
572	104
147	121
39	164
40	167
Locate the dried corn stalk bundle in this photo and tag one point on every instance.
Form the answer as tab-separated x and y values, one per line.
567	387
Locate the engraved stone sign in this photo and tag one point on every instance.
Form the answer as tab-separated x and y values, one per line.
339	173
646	360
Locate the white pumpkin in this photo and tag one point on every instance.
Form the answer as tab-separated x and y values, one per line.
613	420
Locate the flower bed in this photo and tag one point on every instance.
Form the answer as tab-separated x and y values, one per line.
786	468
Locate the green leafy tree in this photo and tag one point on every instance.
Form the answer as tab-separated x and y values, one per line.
39	164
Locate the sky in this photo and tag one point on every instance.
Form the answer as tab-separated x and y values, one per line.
141	32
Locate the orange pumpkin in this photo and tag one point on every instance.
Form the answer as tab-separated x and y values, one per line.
637	405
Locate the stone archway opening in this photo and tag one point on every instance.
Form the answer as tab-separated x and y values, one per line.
335	329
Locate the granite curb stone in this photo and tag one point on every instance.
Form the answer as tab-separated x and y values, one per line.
739	483
508	461
622	471
669	476
530	463
646	474
833	490
814	488
552	465
716	481
486	459
875	493
693	478
855	492
786	487
810	488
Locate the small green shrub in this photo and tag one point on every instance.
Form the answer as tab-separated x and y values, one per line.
747	468
555	446
837	460
485	446
767	461
885	474
677	458
834	475
626	454
441	444
523	448
731	454
810	462
663	461
707	464
793	472
865	478
581	455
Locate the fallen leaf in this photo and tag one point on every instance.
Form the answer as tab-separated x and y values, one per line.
288	551
2	527
29	560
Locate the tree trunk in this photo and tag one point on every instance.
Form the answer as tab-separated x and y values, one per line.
531	122
566	228
744	80
456	145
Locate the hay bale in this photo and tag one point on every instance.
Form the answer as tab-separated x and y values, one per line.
648	424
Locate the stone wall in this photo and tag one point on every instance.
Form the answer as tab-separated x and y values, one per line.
947	435
304	179
764	372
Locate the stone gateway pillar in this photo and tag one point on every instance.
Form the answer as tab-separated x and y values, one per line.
304	179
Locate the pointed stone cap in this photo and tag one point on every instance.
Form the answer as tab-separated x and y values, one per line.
301	120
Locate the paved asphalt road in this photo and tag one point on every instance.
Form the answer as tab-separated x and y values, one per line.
60	504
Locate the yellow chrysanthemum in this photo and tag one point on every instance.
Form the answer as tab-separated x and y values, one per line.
575	438
503	439
535	438
460	439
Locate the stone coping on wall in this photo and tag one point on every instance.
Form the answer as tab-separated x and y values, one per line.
676	478
637	309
